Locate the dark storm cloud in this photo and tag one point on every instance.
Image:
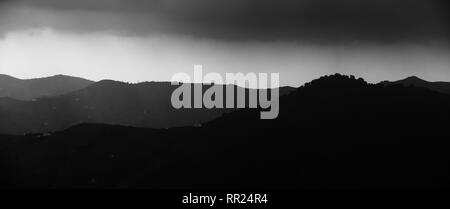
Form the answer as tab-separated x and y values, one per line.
319	20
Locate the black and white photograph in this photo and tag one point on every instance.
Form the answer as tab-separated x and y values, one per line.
224	103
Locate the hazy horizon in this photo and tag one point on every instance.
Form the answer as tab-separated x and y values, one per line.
135	41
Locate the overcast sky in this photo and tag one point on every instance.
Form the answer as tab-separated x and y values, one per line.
140	40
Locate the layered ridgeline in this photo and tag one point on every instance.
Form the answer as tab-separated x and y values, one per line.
145	104
335	132
439	86
29	89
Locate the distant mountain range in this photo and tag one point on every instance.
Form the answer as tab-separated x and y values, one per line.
30	89
443	87
334	132
111	102
58	102
40	87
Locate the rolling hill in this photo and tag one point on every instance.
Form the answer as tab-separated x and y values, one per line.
334	132
30	89
110	102
443	87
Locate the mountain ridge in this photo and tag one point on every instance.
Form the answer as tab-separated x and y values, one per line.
335	132
30	89
146	104
439	86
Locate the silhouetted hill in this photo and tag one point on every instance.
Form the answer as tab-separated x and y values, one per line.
111	102
335	132
40	87
443	87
